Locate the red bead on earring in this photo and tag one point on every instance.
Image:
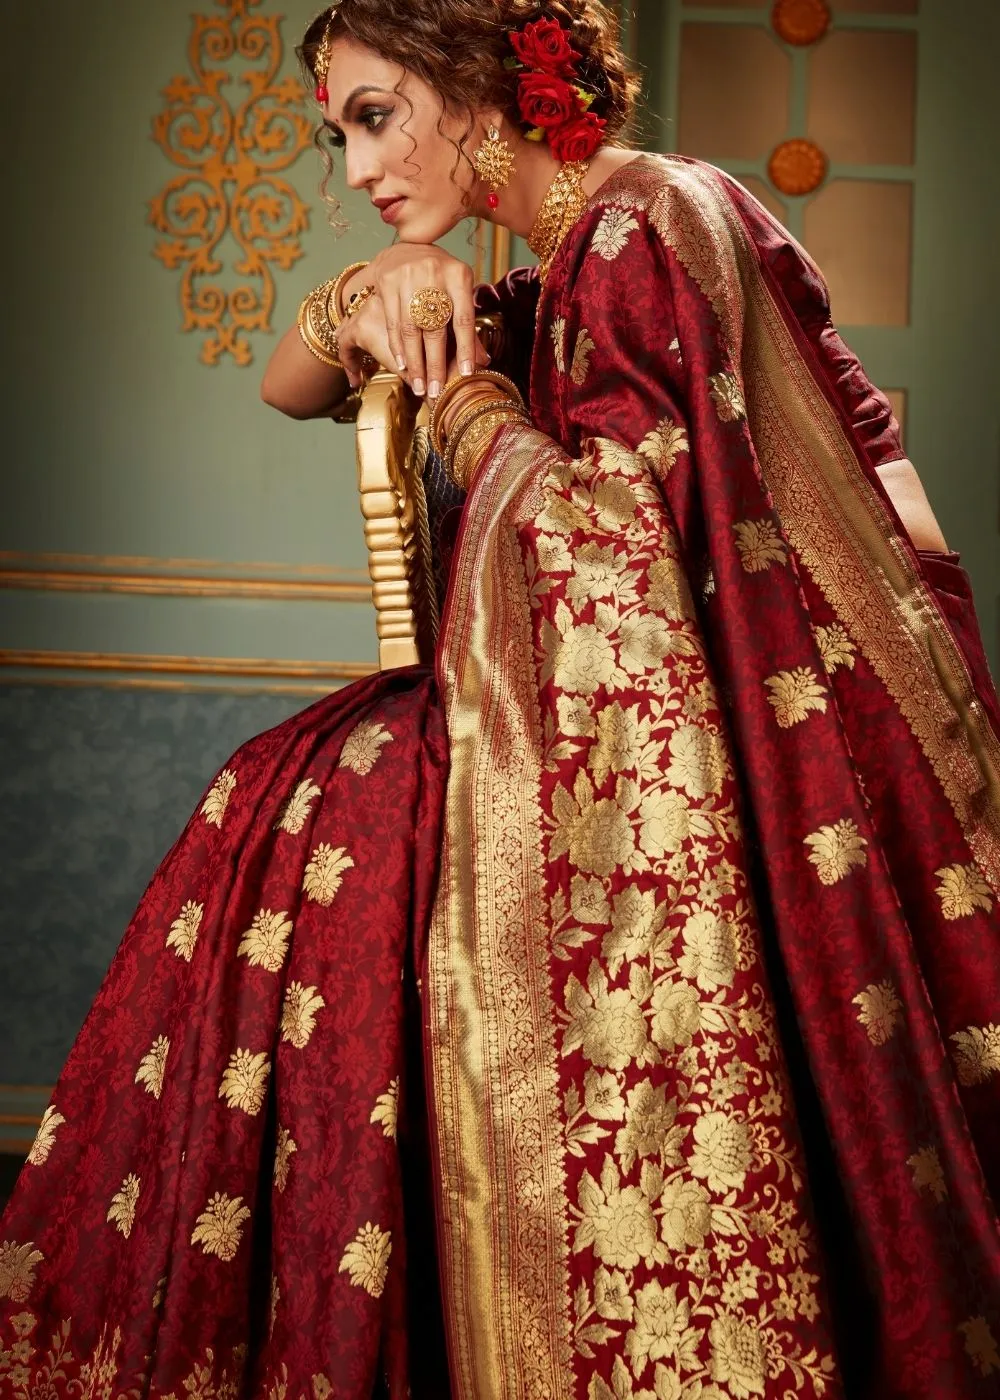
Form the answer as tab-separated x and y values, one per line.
322	94
493	200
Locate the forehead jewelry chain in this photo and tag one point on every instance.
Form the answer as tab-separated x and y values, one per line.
563	204
323	55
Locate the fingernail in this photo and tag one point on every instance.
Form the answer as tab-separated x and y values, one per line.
466	366
434	390
418	388
400	364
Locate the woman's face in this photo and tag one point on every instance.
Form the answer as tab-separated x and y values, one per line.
392	143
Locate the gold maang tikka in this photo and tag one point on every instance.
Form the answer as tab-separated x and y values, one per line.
323	55
494	163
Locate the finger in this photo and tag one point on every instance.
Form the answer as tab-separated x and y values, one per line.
413	348
350	354
460	282
394	330
436	360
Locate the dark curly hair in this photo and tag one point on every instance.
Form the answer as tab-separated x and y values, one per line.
459	48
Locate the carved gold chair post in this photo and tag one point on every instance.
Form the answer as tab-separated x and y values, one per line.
391	449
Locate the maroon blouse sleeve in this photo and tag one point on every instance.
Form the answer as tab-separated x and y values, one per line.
515	297
805	290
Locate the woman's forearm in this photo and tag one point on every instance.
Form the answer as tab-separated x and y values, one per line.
904	489
299	385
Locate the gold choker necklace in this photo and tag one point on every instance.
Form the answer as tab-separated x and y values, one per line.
563	204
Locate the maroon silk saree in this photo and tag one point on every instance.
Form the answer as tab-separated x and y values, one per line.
702	927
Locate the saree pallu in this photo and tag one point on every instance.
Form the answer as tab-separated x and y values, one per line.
215	1205
715	959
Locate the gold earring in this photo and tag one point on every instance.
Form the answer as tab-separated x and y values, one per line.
494	163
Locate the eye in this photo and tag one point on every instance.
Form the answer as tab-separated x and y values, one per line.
373	117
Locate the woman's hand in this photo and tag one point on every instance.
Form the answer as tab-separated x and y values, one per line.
398	272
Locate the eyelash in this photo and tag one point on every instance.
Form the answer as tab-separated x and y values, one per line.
339	141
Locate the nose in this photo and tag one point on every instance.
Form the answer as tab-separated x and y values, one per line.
363	167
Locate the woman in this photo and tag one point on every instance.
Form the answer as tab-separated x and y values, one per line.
677	886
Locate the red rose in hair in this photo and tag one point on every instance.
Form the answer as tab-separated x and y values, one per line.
580	139
546	101
544	46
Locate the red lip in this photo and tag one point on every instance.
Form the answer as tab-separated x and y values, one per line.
389	208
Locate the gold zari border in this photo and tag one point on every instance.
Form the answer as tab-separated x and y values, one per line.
499	1136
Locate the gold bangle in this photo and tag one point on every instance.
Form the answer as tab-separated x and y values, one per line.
359	300
471	416
466	456
456	386
318	340
334	305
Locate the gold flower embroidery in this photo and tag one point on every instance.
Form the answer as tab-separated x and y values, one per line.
739	1355
575	718
963	890
687	1215
219	1228
621	738
385	1110
977	1054
665	821
710	949
617	1223
980	1345
298	1015
836	850
153	1067
183	933
759	545
880	1011
645	641
18	1263
795	695
615	503
612	233
561	517
553	555
667	589
325	872
676	1015
835	648
612	1295
598	835
635	923
727	396
601	572
123	1203
215	804
363	747
244	1081
580	367
265	943
649	1129
296	810
660	1326
366	1259
928	1174
283	1157
698	761
664	445
608	1025
722	1152
558	333
46	1136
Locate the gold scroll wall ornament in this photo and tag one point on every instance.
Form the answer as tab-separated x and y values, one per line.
230	154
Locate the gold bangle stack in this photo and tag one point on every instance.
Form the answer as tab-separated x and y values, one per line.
318	335
473	434
473	384
321	314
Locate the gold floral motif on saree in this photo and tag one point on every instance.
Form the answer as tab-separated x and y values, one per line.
298	1014
363	746
265	943
928	1174
366	1259
153	1067
981	1345
215	804
324	873
976	1053
183	935
686	1168
386	1109
286	1145
881	1011
296	810
121	1212
18	1263
46	1136
219	1228
244	1081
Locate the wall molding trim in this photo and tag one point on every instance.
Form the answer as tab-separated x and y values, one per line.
159	672
21	1109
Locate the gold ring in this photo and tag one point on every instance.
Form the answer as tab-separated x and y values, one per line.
431	309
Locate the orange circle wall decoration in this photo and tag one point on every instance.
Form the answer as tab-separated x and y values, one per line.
801	21
797	167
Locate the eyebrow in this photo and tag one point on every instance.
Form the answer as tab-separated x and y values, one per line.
358	92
